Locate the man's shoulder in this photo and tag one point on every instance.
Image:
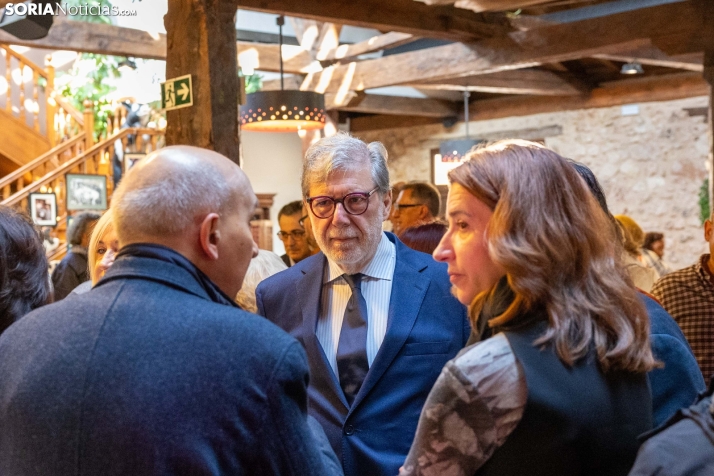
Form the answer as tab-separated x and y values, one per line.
684	277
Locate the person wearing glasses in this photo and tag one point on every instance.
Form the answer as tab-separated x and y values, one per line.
376	318
416	204
292	233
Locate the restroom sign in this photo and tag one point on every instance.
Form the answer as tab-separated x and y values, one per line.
176	93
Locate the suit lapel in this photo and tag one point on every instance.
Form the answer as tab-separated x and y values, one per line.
309	292
408	290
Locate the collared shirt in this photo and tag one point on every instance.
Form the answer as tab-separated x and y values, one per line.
688	295
376	289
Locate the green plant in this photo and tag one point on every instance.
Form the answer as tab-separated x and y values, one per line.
87	80
253	83
704	205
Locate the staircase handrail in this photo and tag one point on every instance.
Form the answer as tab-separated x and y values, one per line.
67	106
40	71
30	166
67	166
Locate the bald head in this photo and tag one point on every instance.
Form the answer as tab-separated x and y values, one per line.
194	201
169	192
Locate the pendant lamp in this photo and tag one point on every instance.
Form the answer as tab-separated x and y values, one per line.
455	150
283	111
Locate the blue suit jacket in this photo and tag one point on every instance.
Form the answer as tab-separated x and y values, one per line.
426	327
144	375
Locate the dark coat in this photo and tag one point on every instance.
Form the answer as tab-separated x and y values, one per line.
144	375
426	327
70	273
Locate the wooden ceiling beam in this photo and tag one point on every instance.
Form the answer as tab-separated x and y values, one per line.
517	50
391	105
616	93
113	40
479	6
659	88
524	81
406	16
376	43
653	56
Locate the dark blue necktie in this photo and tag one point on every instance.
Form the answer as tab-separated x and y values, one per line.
352	365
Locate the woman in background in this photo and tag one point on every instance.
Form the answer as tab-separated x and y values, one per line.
24	282
653	253
632	240
72	270
262	266
103	248
560	388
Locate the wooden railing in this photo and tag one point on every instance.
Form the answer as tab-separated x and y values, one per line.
96	160
30	98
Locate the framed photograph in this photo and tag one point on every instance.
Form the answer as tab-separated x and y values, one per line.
130	159
43	209
86	192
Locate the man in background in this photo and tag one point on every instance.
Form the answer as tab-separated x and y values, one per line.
688	295
417	203
292	234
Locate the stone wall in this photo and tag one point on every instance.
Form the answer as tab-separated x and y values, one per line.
651	163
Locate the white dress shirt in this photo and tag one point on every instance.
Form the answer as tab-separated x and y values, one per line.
376	289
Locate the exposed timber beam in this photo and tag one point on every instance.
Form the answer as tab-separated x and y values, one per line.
659	88
525	81
522	49
393	105
113	40
405	16
376	43
650	55
479	6
616	93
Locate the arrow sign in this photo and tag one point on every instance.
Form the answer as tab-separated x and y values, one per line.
176	93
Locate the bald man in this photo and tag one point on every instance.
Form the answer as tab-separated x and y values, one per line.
156	370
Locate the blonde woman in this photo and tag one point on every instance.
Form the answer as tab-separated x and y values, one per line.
103	248
560	387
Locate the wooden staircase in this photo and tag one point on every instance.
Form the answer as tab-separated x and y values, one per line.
33	116
44	138
47	173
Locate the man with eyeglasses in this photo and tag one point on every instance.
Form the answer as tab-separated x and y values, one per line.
292	234
376	318
417	203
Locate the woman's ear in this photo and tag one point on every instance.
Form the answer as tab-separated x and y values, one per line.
209	236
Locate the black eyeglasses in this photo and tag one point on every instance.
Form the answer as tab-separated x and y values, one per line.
355	203
397	206
296	234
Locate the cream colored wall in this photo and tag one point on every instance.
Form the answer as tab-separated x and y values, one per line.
273	163
651	164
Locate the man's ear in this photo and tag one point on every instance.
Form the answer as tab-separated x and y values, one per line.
209	236
424	212
387	204
708	230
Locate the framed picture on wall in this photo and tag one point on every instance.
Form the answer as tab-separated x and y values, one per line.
86	192
130	159
43	209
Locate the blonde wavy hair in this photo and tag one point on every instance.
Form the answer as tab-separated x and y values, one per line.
560	252
100	229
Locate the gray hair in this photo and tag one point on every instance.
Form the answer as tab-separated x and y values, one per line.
80	227
261	267
168	206
344	152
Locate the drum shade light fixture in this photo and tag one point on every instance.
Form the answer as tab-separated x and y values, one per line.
283	111
455	150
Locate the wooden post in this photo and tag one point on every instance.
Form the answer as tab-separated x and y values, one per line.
88	124
50	103
200	38
709	77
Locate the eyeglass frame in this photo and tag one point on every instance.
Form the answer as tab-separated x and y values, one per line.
398	207
336	201
295	235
